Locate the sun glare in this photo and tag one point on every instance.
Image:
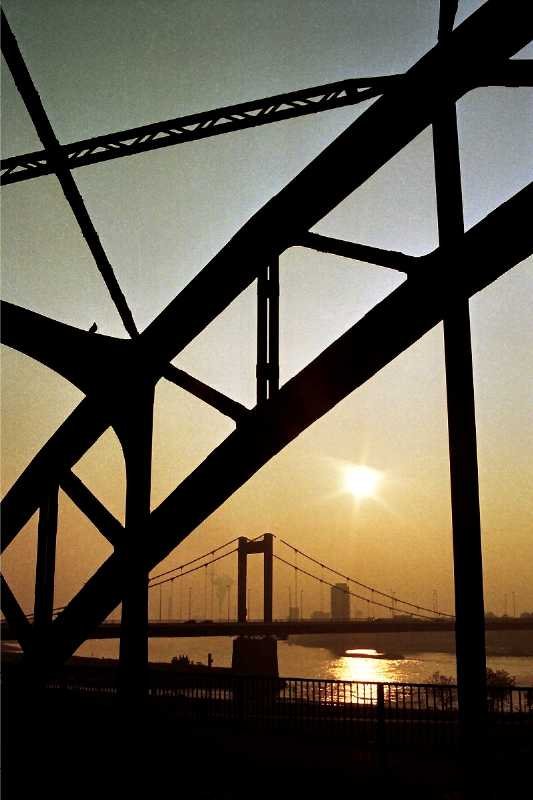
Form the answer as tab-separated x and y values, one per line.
361	481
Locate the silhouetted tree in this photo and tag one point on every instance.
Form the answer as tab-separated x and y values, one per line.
499	689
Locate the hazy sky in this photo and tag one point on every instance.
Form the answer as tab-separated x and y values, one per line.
108	65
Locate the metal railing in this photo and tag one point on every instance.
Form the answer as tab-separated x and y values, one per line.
376	713
385	714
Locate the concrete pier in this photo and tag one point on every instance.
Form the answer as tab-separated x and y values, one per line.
255	656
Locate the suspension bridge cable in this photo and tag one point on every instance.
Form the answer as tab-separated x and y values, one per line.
353	594
364	585
194	569
199	558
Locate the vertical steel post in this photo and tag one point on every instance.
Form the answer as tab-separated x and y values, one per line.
261	369
45	569
135	433
381	740
273	327
467	554
267	368
268	576
242	562
447	12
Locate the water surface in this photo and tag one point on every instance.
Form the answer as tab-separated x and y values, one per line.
318	662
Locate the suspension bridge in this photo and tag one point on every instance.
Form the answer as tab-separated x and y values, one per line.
302	565
171	600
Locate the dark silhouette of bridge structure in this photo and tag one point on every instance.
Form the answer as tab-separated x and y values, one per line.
118	377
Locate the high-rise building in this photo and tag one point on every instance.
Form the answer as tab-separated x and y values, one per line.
340	601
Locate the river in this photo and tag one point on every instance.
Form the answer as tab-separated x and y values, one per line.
318	662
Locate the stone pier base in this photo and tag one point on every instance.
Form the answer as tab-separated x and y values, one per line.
255	656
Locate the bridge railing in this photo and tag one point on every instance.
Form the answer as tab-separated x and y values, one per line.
385	714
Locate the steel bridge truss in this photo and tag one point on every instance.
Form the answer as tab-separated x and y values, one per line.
118	377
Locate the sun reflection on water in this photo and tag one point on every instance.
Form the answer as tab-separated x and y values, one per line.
369	669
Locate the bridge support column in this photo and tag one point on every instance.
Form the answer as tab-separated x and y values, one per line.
244	549
242	565
45	571
268	579
135	433
467	554
255	656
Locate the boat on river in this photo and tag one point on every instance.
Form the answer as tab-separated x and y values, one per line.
371	653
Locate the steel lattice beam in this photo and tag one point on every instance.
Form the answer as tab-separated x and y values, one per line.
228	119
193	127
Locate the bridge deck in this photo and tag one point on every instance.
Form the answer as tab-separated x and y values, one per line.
284	628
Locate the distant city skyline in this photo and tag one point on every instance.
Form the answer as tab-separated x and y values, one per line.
161	217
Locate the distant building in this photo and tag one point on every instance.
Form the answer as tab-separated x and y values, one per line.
340	601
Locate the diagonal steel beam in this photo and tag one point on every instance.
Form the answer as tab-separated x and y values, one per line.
95	511
19	627
494	246
32	101
516	72
230	408
89	420
361	252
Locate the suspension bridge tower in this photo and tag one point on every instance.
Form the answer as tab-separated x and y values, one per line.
256	655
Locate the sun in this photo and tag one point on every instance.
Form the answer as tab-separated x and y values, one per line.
361	481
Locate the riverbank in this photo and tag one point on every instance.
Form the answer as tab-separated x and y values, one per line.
103	671
517	644
318	662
